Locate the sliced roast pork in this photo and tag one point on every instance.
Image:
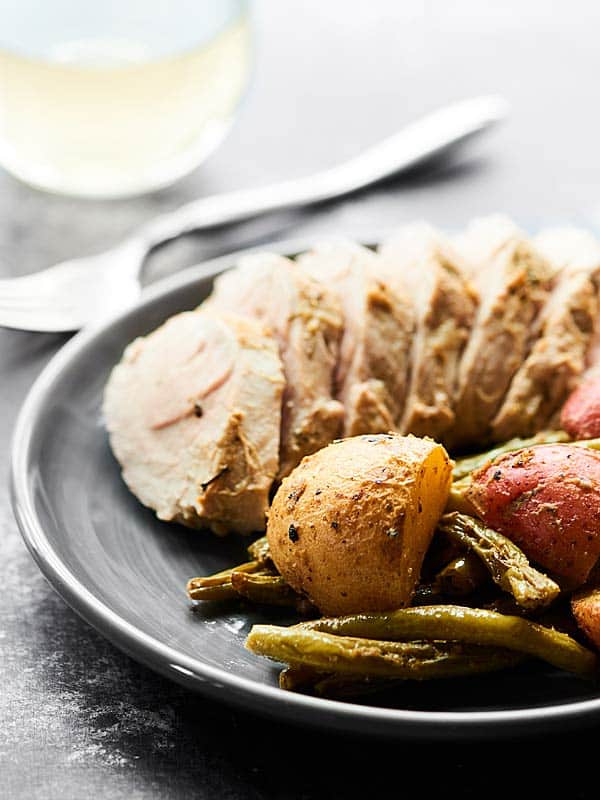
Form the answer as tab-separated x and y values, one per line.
307	322
558	357
513	280
428	269
193	412
373	368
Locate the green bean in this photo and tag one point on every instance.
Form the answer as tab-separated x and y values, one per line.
506	604
255	581
343	686
457	497
464	466
217	593
426	594
260	551
219	586
349	655
591	444
466	625
299	679
328	684
461	576
506	563
261	588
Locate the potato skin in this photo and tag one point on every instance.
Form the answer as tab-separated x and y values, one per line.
349	527
580	415
585	606
547	500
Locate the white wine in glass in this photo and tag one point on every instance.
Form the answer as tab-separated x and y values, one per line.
116	98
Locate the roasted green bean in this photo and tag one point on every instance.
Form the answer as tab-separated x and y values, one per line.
260	551
506	563
457	497
219	585
326	652
328	684
261	588
255	581
467	625
461	576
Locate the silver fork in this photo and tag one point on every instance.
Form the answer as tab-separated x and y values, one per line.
76	293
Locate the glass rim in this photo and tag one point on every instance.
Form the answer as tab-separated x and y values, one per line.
242	15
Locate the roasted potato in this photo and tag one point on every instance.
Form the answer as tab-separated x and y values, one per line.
580	415
349	527
547	500
585	605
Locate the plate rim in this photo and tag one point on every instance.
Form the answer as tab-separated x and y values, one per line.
193	673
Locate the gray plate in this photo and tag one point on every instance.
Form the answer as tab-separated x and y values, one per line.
125	572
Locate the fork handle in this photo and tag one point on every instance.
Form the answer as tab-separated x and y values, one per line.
432	135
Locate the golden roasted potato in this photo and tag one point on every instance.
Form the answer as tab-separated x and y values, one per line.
585	606
349	527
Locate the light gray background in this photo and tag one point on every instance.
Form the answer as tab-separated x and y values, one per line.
79	719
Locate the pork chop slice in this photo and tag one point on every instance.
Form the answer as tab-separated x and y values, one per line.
513	281
307	322
373	368
193	413
558	357
431	273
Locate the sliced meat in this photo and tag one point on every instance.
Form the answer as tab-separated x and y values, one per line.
586	259
307	322
513	281
193	412
558	357
373	367
428	270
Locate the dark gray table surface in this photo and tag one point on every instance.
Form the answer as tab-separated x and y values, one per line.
78	718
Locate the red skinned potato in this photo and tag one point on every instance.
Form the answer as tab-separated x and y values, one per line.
546	499
580	415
